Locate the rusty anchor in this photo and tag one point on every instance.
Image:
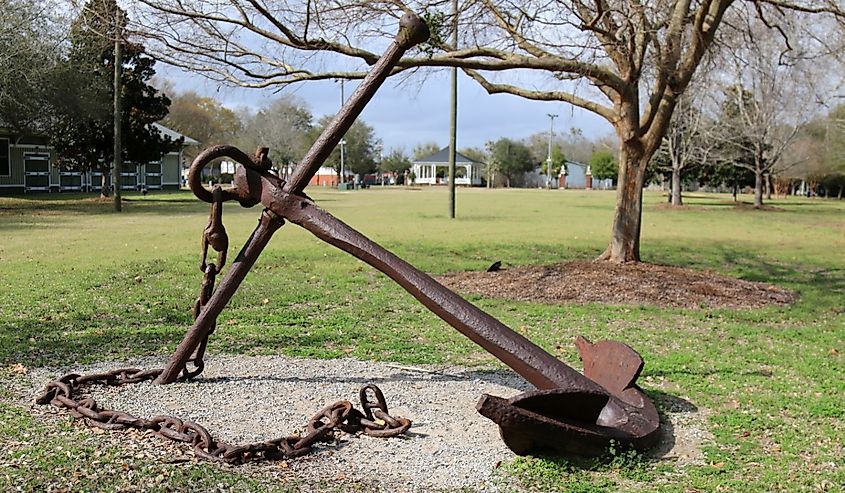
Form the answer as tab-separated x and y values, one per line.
569	413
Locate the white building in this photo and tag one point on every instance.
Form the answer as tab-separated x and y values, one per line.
434	169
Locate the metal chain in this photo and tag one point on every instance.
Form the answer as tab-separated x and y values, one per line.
213	235
374	420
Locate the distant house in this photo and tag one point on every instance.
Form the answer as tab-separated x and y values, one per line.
326	176
26	165
434	169
579	176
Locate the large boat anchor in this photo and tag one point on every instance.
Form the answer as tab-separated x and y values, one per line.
569	413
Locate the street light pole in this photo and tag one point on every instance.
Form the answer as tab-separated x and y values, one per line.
380	158
549	157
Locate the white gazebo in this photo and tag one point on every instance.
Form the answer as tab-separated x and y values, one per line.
467	171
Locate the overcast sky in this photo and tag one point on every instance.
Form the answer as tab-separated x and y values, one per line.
417	110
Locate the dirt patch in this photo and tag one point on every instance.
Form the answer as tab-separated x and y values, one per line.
626	284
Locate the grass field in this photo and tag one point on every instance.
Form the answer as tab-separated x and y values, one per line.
79	284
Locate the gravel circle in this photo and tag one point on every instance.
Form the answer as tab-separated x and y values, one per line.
450	446
247	399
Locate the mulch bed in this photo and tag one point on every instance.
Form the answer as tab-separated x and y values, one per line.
625	284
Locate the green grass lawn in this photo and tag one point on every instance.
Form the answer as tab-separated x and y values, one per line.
79	284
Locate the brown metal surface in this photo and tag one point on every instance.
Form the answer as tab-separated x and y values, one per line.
571	413
412	31
268	224
611	368
568	421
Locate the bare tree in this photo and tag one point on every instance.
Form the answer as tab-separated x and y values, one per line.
425	149
628	61
573	144
202	118
284	126
689	141
820	154
771	94
30	50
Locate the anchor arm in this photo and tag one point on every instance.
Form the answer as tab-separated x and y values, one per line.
268	224
412	31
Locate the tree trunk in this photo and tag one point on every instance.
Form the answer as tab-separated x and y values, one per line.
758	189
625	235
676	186
735	191
840	191
768	186
669	191
104	186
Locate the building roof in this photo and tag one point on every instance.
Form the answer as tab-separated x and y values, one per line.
161	128
173	134
576	163
442	156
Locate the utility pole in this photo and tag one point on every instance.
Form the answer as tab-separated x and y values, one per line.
549	158
118	89
342	141
453	116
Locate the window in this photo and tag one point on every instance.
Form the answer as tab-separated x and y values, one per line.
5	163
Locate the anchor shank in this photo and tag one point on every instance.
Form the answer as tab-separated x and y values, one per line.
526	358
268	224
412	31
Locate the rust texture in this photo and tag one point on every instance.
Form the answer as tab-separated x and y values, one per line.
569	413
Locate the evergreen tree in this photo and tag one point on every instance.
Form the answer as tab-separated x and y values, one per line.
511	158
81	129
558	162
603	165
396	162
359	151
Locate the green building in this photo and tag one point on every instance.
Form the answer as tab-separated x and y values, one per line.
26	166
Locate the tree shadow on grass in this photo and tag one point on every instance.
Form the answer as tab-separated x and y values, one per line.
57	214
760	269
38	342
750	265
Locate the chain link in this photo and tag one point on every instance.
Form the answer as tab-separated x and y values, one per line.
373	421
215	236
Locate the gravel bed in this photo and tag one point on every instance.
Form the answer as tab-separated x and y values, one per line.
450	446
247	399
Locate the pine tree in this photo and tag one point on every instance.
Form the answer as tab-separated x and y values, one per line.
81	130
